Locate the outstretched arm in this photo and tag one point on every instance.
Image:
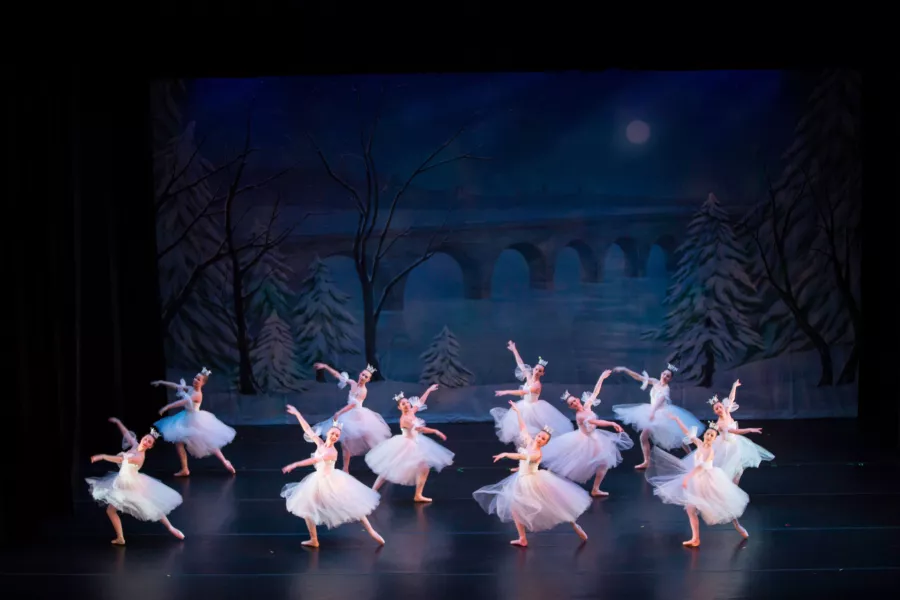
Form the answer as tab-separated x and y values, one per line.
170	385
636	376
684	429
746	431
303	463
333	372
306	428
107	457
523	430
432	432
127	435
599	384
732	394
511	392
511	346
534	456
602	423
346	409
424	397
177	404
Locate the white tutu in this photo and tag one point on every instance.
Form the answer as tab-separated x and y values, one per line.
536	413
363	429
330	497
577	455
538	499
402	457
663	431
134	493
199	430
710	490
734	453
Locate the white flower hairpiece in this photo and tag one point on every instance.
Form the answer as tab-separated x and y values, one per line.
399	397
714	425
154	433
205	372
566	395
713	400
672	368
337	424
542	362
548	429
370	369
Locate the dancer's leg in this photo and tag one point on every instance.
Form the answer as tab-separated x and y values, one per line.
421	478
371	531
521	540
171	528
695	527
579	531
645	448
182	455
347	457
740	529
116	523
313	540
595	490
218	454
379	481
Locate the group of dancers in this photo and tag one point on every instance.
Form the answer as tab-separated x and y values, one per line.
705	481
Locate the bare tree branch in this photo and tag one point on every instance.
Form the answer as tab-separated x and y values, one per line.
201	215
337	179
213	172
165	196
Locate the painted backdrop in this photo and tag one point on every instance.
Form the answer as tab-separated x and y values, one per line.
418	223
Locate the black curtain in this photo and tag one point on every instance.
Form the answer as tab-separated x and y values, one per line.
85	329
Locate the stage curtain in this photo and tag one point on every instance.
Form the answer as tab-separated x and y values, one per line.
84	320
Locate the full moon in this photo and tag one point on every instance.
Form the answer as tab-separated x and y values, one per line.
637	132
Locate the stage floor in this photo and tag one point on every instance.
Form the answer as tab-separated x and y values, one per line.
823	522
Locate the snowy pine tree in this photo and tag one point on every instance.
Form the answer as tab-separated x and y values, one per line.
269	286
274	357
820	185
325	328
442	364
188	242
710	298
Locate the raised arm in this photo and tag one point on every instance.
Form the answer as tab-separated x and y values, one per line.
423	399
732	394
303	463
685	430
746	431
176	404
534	456
108	457
599	385
511	346
636	376
306	428
523	430
126	435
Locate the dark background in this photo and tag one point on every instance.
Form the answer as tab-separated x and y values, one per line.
85	332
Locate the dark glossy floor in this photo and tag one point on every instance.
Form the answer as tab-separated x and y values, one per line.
823	521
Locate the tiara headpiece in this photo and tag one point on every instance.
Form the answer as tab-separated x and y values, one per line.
399	397
713	400
566	395
715	426
335	424
154	433
542	362
370	369
548	429
672	368
205	372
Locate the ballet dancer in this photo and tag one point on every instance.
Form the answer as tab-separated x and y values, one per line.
646	417
533	499
406	459
697	484
363	428
588	451
536	413
129	490
734	452
327	496
198	430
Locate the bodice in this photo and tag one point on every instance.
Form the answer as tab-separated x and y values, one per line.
189	396
411	432
659	394
527	467
355	397
326	465
126	466
528	396
725	432
703	457
582	419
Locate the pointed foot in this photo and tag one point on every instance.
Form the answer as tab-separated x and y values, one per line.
421	498
691	543
310	543
183	473
599	494
520	542
118	542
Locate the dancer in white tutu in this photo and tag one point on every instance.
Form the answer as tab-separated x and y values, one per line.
697	484
327	496
734	452
198	430
587	452
407	458
650	419
363	428
536	413
130	491
533	499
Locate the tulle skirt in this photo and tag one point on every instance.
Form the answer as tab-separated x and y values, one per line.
536	415
135	494
663	431
710	490
577	455
199	430
539	500
401	458
330	497
363	429
734	453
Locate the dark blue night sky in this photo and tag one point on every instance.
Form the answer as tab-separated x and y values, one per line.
710	131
